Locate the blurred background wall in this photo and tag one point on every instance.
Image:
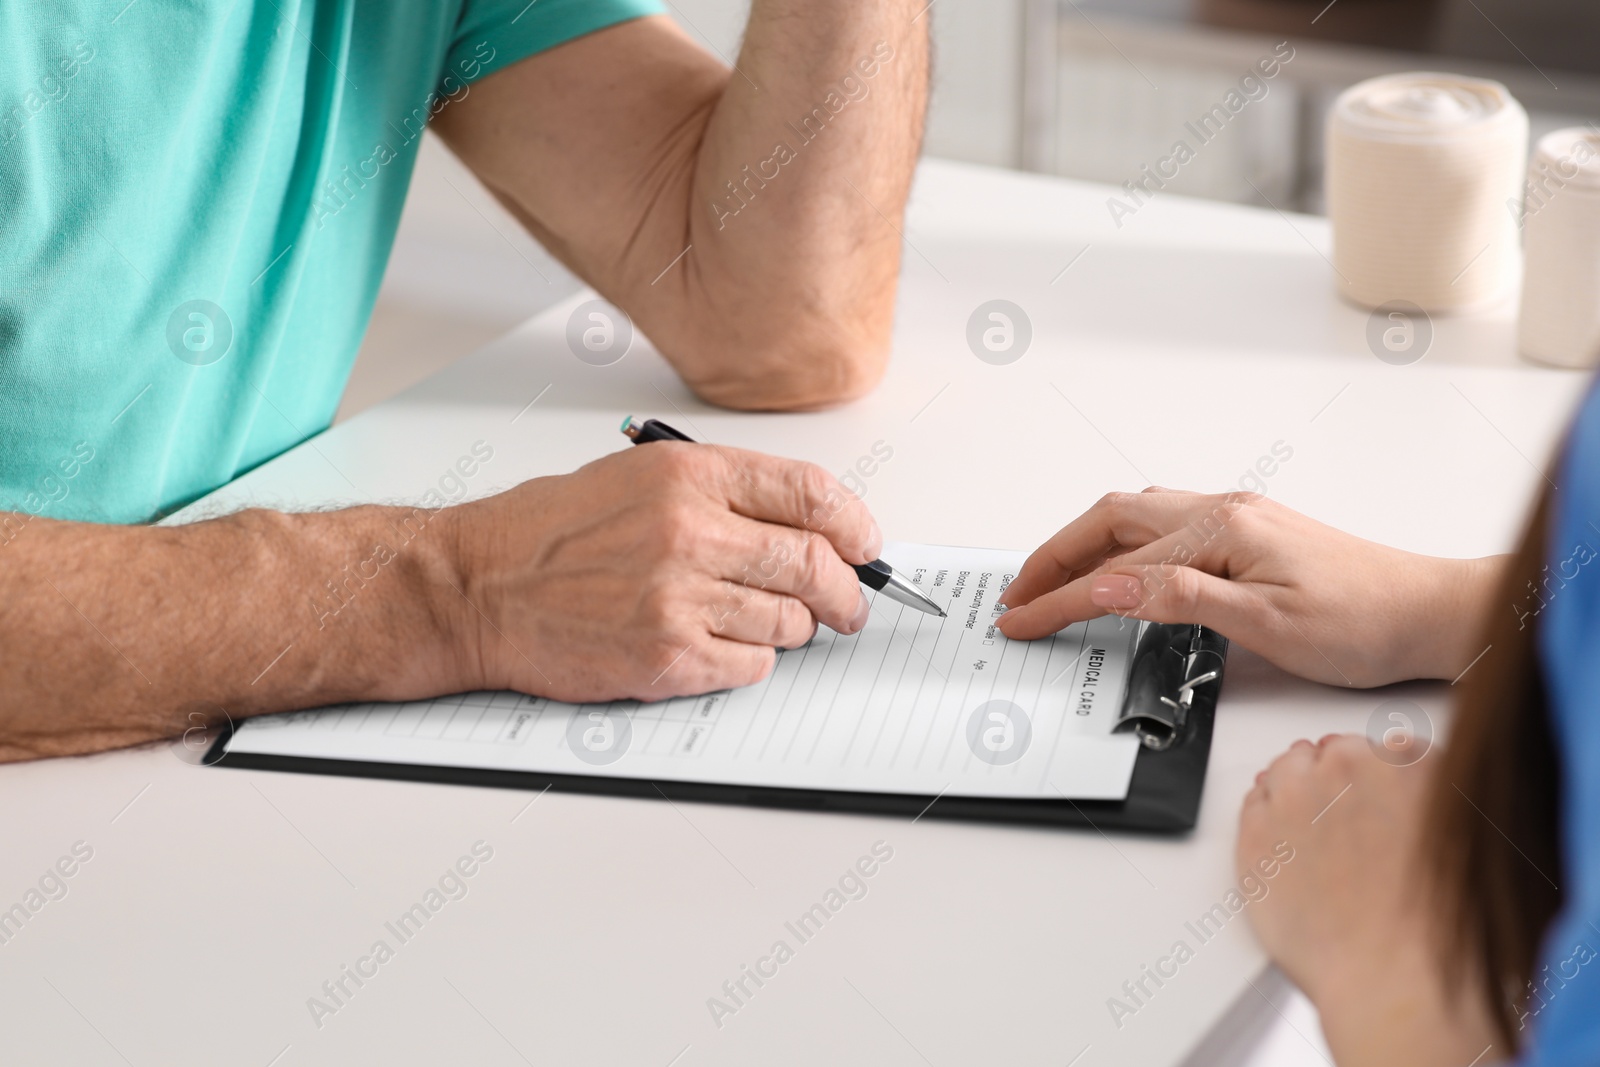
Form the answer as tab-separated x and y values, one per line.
1089	89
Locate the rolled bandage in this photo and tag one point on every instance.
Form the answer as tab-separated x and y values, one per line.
1421	168
1560	318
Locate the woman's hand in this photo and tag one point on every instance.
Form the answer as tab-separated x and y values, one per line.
1348	915
1317	602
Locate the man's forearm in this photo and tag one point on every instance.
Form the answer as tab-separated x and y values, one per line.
799	192
115	635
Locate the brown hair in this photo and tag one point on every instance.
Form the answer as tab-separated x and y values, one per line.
1494	818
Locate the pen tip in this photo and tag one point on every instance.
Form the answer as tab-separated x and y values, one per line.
942	613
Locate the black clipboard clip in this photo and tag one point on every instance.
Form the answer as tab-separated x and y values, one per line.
1172	664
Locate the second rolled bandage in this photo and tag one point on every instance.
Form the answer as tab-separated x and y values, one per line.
1421	172
1559	322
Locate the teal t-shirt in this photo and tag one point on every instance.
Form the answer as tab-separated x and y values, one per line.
197	201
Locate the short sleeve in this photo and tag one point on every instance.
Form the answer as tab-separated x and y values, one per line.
492	34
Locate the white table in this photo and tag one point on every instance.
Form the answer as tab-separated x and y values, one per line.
1177	350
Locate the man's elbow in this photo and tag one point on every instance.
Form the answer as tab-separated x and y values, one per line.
793	377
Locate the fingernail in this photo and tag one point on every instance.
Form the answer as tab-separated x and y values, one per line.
1004	615
1115	591
863	613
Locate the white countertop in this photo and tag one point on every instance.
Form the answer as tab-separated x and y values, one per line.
1176	350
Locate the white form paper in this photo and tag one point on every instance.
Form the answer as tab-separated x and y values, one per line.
912	704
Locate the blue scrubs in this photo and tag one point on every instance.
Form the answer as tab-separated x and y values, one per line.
1564	1014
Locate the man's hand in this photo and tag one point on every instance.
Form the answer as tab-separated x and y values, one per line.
748	220
659	571
1317	602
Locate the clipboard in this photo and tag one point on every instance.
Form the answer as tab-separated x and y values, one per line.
1169	704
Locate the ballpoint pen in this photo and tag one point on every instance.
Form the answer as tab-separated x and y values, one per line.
875	575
